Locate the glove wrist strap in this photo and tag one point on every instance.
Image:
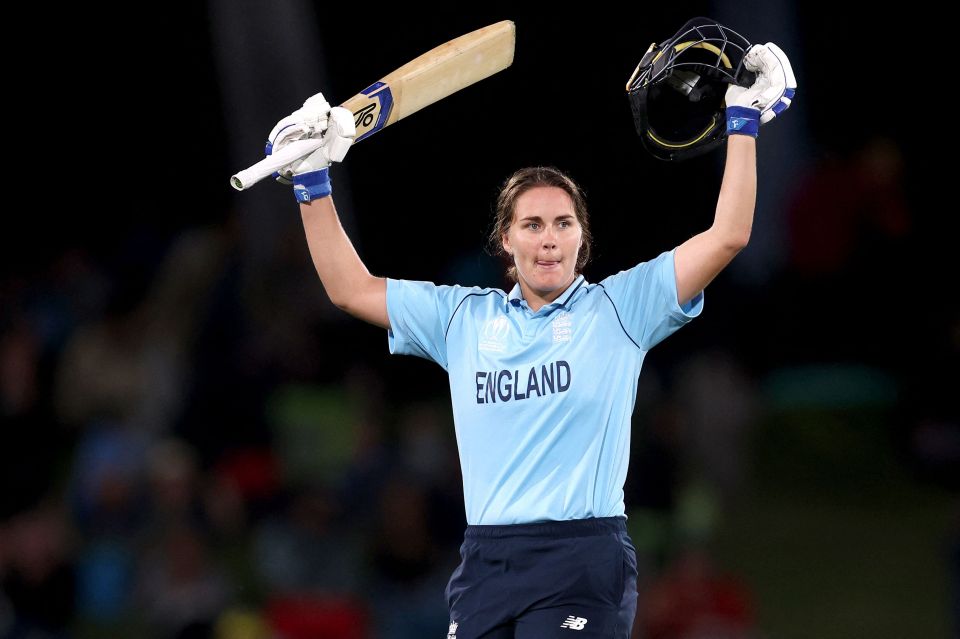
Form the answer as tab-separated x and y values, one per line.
312	186
743	121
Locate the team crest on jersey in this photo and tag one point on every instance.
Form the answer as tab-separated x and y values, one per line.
452	632
562	328
493	335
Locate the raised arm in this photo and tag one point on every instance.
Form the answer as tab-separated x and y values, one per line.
701	258
347	281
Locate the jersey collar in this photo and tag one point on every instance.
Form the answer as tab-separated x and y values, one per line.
516	296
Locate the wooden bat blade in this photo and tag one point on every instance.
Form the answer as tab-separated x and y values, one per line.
433	76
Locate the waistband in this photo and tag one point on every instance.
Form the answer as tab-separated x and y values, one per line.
568	528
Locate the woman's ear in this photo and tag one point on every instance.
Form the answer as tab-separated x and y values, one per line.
506	244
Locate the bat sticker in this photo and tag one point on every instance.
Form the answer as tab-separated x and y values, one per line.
379	110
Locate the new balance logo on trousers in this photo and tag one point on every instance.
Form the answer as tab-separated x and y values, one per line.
574	623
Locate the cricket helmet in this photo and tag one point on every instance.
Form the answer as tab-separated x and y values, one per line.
677	91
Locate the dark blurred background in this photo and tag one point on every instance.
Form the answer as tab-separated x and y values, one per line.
196	443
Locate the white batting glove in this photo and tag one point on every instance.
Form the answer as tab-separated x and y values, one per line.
308	121
770	95
310	175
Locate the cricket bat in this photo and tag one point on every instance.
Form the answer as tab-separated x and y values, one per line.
433	76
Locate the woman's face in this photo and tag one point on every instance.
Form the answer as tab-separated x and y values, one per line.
544	240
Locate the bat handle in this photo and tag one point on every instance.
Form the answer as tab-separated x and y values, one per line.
273	163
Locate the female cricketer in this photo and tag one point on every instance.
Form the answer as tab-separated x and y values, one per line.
543	378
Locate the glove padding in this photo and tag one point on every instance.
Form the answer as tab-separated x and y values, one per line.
337	135
308	121
334	126
770	95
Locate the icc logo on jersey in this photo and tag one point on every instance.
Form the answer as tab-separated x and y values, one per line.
493	336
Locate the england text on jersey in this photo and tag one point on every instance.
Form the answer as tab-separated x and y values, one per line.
505	385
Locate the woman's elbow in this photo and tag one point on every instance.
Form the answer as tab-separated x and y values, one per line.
738	241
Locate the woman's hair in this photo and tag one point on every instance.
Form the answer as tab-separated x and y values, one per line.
521	182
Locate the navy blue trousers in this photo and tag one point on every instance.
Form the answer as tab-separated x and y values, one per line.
552	580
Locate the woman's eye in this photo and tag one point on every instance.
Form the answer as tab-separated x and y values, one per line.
533	225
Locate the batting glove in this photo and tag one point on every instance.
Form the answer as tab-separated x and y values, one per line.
769	96
310	175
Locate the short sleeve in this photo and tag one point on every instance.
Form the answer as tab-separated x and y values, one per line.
645	298
419	313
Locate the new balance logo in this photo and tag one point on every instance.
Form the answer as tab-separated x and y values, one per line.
574	623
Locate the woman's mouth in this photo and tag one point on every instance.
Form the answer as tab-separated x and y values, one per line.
547	264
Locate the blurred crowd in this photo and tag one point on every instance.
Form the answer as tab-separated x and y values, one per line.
192	448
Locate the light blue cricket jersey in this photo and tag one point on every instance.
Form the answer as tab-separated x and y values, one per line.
541	401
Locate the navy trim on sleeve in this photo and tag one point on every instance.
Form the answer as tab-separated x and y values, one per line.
454	314
618	316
